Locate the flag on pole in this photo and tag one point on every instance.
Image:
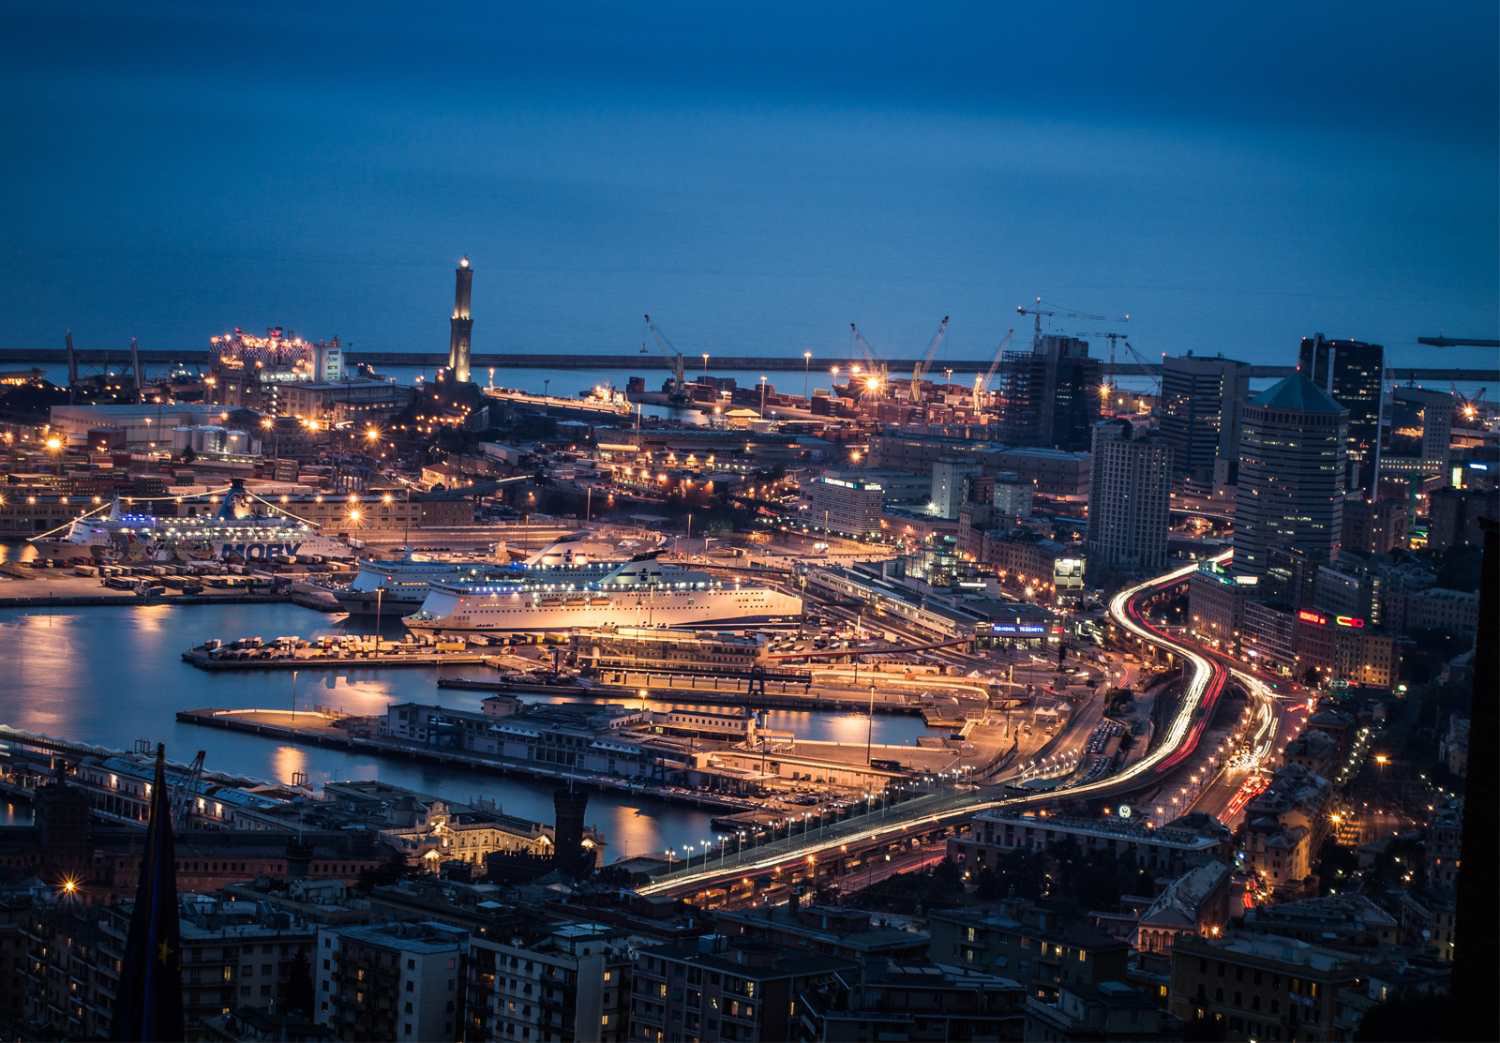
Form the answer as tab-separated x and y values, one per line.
148	1004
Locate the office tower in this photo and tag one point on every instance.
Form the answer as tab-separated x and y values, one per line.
1352	373
1293	458
1201	402
1051	394
462	325
1417	440
1128	500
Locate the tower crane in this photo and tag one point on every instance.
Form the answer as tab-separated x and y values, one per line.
673	357
1458	342
1107	387
1051	309
982	384
919	371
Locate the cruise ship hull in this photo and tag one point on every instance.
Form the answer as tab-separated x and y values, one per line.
445	612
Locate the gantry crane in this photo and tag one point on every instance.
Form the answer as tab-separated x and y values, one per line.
919	371
982	384
673	357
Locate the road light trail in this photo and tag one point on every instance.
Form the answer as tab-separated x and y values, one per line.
1205	683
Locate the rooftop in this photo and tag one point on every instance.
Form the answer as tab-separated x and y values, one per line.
1296	394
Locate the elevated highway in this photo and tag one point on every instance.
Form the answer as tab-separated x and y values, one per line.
927	813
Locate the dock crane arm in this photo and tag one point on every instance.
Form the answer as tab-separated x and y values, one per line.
670	352
919	371
982	384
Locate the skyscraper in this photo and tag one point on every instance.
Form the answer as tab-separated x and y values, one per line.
1293	457
1201	403
462	324
1129	500
1051	394
1352	373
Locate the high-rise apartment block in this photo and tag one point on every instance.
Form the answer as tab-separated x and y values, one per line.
1129	499
1051	394
1352	373
1292	476
1201	403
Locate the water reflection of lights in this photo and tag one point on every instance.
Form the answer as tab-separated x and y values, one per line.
289	762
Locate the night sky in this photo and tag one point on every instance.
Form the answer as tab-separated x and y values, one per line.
1235	175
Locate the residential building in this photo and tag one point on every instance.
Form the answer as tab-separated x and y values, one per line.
1352	373
1374	527
897	1002
1201	402
832	930
1197	902
1110	1011
1261	987
571	983
1013	497
1285	826
950	485
1129	500
1292	481
396	981
1043	947
1174	848
714	989
1453	516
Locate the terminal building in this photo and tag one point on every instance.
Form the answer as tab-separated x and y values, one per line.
852	506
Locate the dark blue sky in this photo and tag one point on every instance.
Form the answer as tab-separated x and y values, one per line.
1234	175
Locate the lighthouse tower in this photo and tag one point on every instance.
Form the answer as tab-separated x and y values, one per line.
462	324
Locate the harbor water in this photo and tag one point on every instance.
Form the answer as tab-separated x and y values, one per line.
112	675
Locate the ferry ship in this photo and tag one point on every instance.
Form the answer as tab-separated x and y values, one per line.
235	531
400	585
635	594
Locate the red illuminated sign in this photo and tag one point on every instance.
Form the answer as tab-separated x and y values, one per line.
1307	615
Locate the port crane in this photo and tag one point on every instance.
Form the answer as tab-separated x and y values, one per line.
1468	408
872	360
919	371
671	354
185	792
982	384
1108	385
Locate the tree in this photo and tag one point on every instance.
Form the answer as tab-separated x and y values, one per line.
297	990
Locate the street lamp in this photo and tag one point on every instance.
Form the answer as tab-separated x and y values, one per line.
806	367
705	365
762	396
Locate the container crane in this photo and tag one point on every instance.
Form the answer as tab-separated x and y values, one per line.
919	371
982	384
673	357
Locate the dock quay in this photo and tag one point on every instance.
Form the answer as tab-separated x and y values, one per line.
333	652
321	728
692	696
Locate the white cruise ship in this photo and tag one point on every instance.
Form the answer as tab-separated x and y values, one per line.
400	585
234	531
641	593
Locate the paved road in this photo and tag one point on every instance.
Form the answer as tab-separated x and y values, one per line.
1205	682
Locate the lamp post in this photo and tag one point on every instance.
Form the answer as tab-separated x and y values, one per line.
870	726
806	368
762	396
705	366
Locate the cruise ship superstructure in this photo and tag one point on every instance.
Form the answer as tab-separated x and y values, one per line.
640	593
235	530
396	586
